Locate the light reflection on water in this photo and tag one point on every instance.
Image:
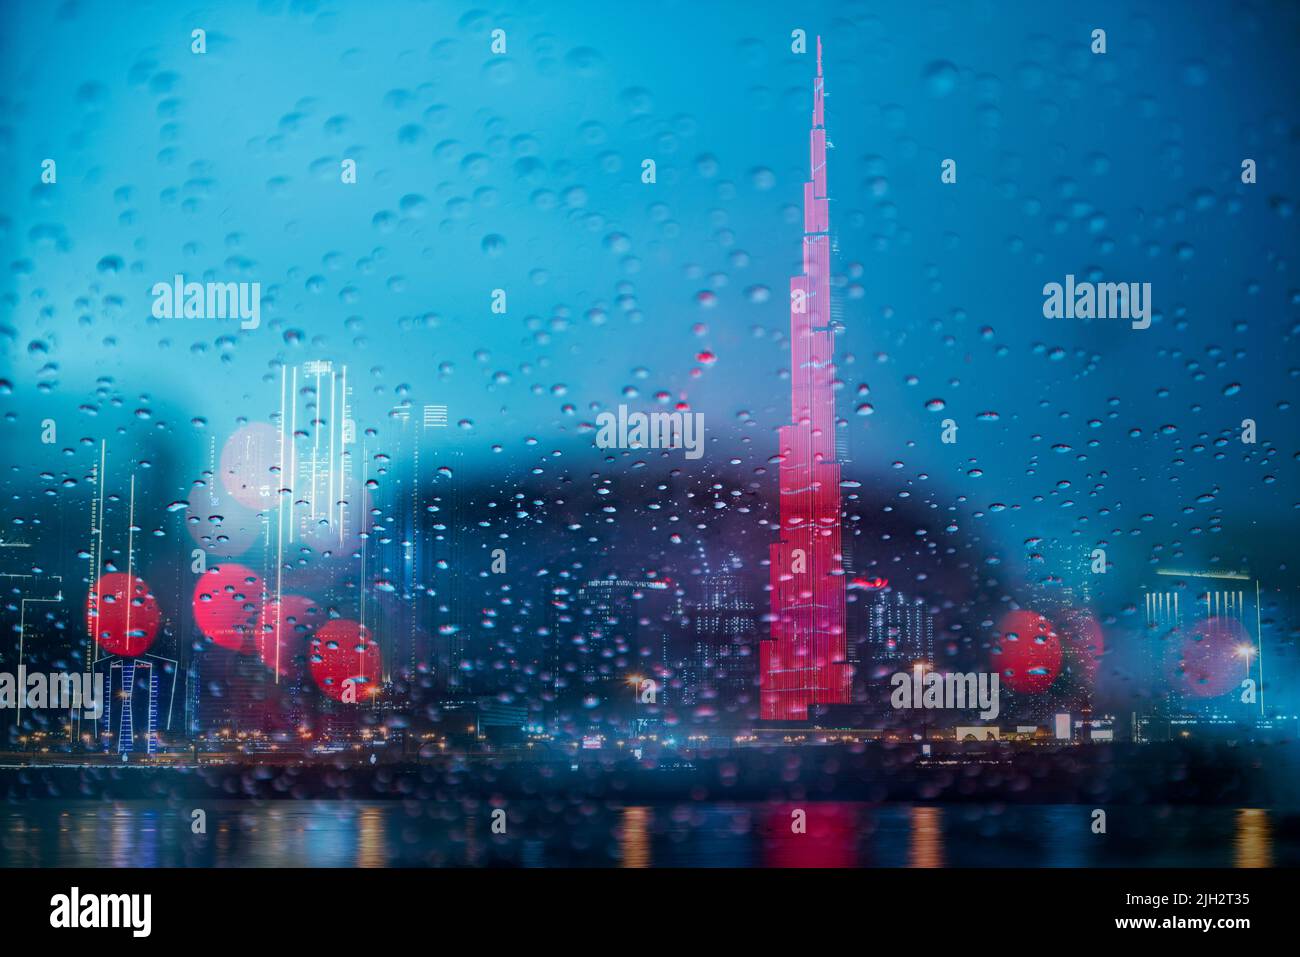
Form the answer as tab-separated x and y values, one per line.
1253	842
927	837
828	834
636	836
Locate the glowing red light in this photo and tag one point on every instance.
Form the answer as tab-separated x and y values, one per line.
1209	662
123	614
1027	653
297	617
343	654
227	600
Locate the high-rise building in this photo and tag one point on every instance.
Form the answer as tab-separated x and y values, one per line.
237	694
1200	627
900	630
318	440
618	633
131	696
445	562
193	686
804	662
411	533
1062	575
721	670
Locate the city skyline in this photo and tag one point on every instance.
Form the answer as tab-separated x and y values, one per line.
752	435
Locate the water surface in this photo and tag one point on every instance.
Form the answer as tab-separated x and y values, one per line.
540	833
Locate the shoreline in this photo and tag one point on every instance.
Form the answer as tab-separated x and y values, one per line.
1211	774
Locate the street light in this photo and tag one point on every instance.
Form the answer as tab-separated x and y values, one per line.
635	682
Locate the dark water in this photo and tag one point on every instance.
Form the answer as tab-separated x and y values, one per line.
538	834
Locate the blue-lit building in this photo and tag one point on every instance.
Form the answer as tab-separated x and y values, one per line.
132	688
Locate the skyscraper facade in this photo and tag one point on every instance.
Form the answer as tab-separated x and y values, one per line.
718	677
1201	627
900	630
614	635
409	529
804	662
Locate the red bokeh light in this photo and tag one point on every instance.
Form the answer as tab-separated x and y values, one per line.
297	617
1210	657
227	599
123	614
343	653
1027	653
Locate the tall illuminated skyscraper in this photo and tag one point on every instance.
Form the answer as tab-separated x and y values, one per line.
804	663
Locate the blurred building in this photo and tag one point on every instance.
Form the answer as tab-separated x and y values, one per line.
482	719
719	677
610	637
1201	643
899	630
237	694
445	502
416	500
889	633
1060	589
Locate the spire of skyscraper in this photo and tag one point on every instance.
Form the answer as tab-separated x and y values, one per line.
804	662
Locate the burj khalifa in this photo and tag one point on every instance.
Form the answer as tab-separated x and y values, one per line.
803	663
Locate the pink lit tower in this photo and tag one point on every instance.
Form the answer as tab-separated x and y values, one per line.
804	661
